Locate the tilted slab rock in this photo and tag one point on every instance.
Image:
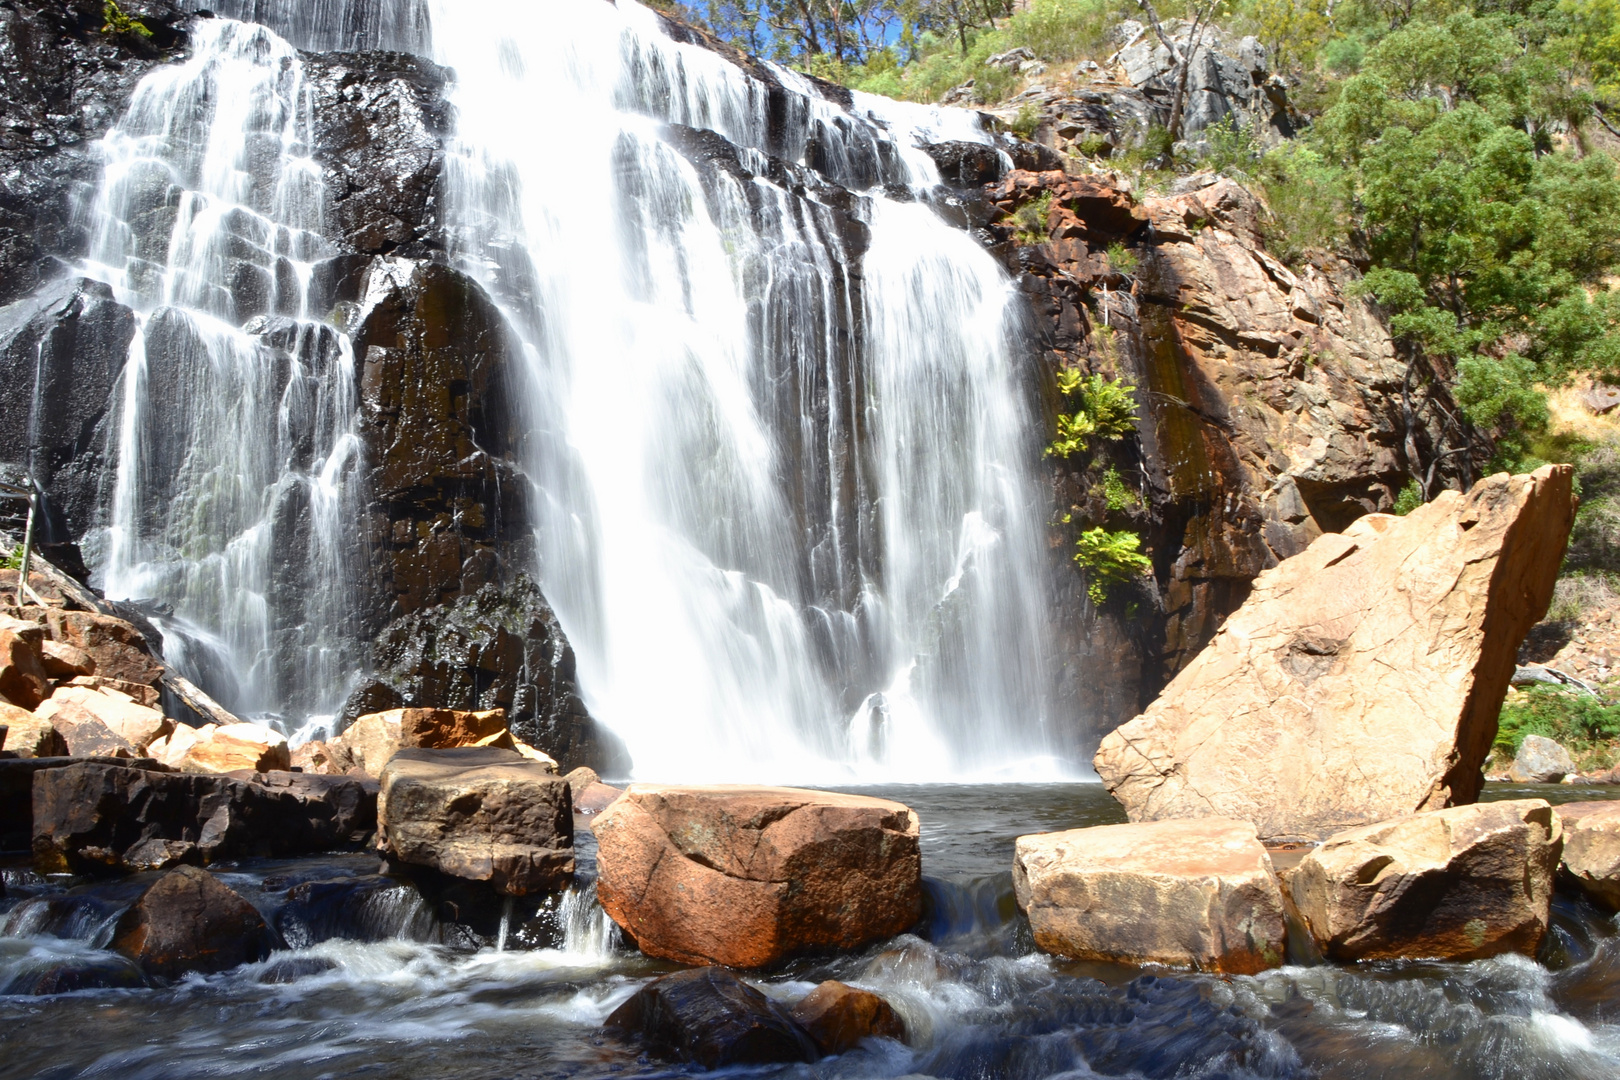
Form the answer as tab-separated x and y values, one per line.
1195	893
1362	678
117	647
137	724
480	813
1592	848
746	876
1458	884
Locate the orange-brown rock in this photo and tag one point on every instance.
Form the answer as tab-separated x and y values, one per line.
480	813
331	759
372	740
87	736
1457	884
1362	678
64	661
236	746
1195	893
30	735
23	680
119	650
137	724
190	921
1591	856
839	1017
746	876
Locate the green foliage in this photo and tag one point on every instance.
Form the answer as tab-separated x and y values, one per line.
119	23
1025	123
1110	558
1115	494
1103	408
1410	498
1578	721
1094	146
1123	259
1031	222
13	561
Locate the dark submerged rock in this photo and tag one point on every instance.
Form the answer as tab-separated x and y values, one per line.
189	921
710	1017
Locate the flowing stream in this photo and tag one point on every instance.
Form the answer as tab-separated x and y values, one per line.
377	982
789	512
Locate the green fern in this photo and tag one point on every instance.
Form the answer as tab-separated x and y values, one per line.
1110	558
120	23
1105	409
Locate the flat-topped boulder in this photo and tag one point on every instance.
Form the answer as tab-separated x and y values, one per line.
1193	893
99	818
747	876
230	747
373	739
480	813
1456	884
1362	678
1591	856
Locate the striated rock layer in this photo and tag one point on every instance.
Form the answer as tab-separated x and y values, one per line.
1362	678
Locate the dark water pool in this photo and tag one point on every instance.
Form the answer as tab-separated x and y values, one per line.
382	983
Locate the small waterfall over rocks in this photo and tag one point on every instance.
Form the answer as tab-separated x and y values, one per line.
777	465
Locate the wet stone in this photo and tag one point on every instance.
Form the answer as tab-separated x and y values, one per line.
710	1017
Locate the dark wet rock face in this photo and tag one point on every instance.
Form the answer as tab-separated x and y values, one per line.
499	648
189	921
62	354
380	123
62	84
709	1017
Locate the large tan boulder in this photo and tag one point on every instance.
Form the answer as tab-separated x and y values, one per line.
746	876
1195	893
374	738
1591	855
481	813
1457	884
23	681
30	735
171	750
235	746
139	725
1362	678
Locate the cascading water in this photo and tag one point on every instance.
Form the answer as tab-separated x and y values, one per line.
792	528
236	450
788	513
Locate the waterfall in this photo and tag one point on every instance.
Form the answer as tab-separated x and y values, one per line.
789	514
793	528
236	448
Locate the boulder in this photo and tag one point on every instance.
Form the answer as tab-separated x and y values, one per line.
325	758
23	680
140	693
93	818
1540	760
746	876
1194	893
1362	678
17	794
64	661
579	779
137	724
711	1018
479	813
839	1017
171	750
373	739
1457	884
237	746
189	921
30	735
596	798
118	648
1591	856
86	736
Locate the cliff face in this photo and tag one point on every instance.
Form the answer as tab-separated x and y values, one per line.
1270	405
1270	408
